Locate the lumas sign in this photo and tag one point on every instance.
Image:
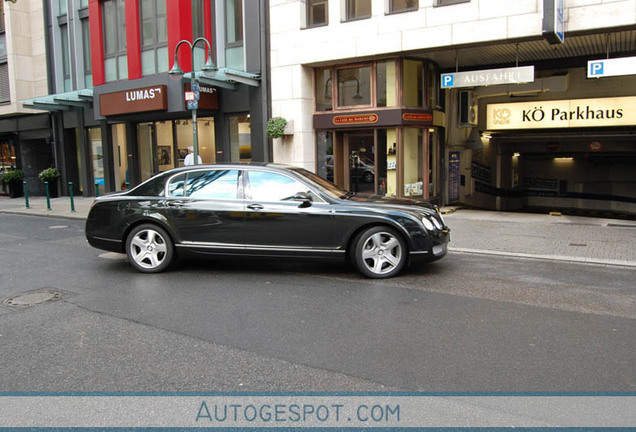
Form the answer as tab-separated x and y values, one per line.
618	111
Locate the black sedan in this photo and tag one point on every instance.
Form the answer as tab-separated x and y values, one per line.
263	210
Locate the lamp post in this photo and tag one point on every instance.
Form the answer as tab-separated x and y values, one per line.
194	85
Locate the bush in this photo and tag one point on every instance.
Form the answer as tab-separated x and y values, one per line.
13	176
49	174
276	127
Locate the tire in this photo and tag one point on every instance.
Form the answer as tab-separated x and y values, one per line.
149	248
379	252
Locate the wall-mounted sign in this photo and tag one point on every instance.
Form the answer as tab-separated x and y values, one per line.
516	75
480	172
553	21
611	67
596	146
453	176
355	119
617	111
417	117
133	101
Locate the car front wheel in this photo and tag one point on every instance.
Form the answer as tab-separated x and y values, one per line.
379	252
149	248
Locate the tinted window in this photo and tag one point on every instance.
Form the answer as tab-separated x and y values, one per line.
215	184
176	186
153	187
266	186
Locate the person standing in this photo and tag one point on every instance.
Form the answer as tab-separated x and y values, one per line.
189	159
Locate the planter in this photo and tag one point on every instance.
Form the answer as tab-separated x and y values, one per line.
15	189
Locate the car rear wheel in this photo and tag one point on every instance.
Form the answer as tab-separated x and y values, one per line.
379	252
149	248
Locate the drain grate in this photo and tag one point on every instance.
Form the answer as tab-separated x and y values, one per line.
35	297
578	244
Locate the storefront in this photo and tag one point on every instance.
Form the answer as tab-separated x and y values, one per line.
148	128
380	127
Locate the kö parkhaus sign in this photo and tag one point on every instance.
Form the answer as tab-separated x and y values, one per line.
618	111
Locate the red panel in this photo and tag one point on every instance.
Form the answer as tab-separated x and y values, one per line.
133	39
97	42
179	28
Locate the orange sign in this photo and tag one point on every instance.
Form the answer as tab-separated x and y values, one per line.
419	117
355	119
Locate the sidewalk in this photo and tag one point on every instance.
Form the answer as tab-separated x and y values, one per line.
539	236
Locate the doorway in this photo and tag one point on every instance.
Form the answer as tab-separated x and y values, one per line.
361	170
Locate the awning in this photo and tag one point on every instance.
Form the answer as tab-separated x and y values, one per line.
226	78
61	101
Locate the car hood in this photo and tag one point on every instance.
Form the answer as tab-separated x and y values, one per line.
403	204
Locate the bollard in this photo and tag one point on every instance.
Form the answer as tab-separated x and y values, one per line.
48	196
70	193
26	194
96	189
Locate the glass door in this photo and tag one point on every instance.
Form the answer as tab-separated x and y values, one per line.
361	167
146	138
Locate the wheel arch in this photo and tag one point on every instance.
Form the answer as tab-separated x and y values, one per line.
162	223
351	241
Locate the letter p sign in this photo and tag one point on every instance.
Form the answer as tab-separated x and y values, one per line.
447	80
595	69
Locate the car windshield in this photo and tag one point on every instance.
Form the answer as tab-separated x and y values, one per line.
326	186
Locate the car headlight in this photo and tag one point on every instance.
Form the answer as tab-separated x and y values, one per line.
427	224
438	225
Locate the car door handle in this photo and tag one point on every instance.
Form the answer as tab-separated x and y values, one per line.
175	204
255	207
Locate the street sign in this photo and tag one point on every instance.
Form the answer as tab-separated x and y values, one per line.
189	96
487	77
553	21
611	67
192	105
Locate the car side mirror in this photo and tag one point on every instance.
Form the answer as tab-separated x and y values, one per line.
304	198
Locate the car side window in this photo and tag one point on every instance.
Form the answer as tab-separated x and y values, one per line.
214	184
266	186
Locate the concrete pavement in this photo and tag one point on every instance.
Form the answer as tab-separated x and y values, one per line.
537	236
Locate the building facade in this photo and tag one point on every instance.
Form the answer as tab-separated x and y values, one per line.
416	99
24	133
146	126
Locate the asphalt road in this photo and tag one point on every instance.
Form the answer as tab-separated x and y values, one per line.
465	323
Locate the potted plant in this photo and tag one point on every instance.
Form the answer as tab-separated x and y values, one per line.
14	180
50	175
276	127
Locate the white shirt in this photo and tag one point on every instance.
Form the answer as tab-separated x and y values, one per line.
189	159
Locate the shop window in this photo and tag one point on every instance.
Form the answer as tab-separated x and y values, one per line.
317	13
205	138
240	138
95	138
386	85
234	34
396	6
357	9
420	84
154	37
324	155
7	156
120	156
354	86
114	28
324	90
386	165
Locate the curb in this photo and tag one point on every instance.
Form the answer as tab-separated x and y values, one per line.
561	258
48	214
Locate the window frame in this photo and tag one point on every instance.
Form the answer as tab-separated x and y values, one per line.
157	44
392	10
4	66
440	3
347	17
119	33
311	3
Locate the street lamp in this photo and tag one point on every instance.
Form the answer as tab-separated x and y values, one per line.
194	85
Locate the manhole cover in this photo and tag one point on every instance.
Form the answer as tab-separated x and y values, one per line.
32	298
